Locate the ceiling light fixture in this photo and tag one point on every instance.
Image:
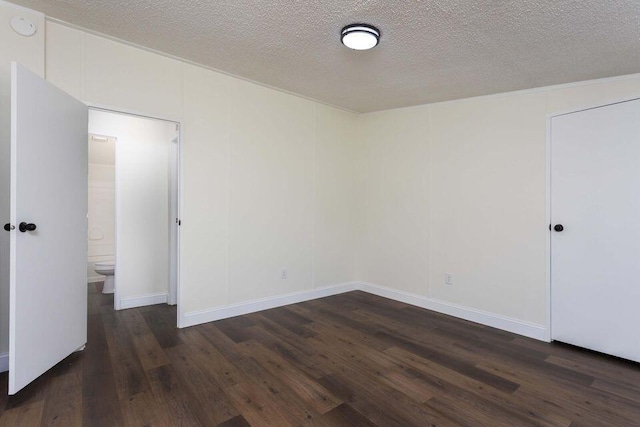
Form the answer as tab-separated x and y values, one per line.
360	36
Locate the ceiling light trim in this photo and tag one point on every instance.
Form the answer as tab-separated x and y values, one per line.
360	36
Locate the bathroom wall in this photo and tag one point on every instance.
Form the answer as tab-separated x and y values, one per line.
102	213
102	206
141	204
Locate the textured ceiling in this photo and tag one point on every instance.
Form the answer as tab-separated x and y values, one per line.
429	51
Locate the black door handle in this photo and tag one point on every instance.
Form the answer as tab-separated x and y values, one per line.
8	227
558	227
26	227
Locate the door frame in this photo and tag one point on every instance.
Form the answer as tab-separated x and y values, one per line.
548	184
180	191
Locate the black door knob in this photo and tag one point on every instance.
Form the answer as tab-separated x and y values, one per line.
26	227
7	227
558	227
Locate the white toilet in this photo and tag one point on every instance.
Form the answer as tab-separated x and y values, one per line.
108	269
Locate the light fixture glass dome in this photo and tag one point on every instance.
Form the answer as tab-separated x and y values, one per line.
360	36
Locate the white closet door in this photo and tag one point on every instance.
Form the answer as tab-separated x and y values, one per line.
595	259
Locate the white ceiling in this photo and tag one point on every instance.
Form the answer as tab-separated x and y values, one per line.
429	51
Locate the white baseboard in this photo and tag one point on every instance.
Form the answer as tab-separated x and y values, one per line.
519	327
204	316
516	326
4	362
141	301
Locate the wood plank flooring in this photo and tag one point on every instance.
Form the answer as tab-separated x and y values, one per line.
348	360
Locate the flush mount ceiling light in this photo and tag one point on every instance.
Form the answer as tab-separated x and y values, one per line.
360	36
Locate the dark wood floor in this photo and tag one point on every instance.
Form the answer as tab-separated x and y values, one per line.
348	360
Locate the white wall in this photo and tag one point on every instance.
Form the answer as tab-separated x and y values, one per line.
488	207
394	214
29	51
335	197
102	217
275	192
267	177
271	192
459	187
142	201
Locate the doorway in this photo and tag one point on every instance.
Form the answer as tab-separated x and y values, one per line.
48	224
133	220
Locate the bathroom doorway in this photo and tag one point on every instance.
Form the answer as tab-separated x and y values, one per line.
133	207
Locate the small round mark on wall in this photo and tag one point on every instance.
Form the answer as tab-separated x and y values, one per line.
23	26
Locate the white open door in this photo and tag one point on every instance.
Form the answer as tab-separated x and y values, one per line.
595	242
48	267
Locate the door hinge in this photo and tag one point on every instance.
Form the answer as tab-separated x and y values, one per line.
179	222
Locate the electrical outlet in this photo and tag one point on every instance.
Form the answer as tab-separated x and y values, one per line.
283	273
448	279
